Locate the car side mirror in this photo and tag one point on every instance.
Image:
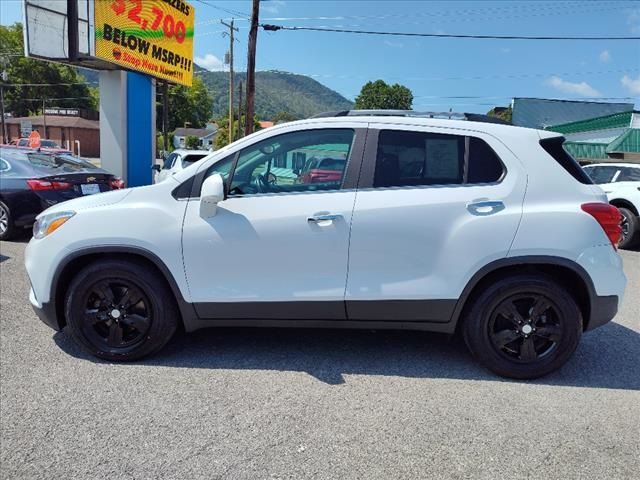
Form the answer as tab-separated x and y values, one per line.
156	167
211	194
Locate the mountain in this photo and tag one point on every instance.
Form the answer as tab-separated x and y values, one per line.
299	95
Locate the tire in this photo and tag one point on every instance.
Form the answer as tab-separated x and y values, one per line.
120	310
504	346
633	237
7	228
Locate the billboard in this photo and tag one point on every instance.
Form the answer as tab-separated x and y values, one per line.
152	37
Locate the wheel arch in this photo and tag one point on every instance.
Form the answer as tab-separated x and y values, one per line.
566	271
72	264
624	203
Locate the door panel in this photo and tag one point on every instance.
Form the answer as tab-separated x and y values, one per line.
424	242
278	246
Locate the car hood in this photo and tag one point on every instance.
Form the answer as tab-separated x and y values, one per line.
90	201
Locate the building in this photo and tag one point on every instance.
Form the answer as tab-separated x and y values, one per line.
66	130
542	112
206	136
612	138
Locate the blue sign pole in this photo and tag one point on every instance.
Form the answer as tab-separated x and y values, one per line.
141	107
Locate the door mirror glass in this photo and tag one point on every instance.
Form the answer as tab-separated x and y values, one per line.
211	194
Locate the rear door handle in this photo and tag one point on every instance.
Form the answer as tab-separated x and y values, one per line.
485	207
324	217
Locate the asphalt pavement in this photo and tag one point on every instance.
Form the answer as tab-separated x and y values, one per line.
297	404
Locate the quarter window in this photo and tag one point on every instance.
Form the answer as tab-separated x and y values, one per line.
629	174
418	158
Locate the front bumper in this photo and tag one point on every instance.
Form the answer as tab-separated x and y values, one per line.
46	312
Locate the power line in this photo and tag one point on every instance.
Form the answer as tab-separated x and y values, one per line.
275	28
237	13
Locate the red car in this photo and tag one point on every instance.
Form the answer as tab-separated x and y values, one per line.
322	170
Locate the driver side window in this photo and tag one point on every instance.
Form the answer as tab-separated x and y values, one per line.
311	160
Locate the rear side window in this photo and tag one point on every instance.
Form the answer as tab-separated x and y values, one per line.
629	174
601	175
553	146
420	158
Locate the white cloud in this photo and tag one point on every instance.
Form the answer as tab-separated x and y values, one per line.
390	43
583	88
633	20
605	56
630	84
210	62
271	6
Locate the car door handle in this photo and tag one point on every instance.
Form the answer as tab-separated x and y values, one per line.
485	207
324	217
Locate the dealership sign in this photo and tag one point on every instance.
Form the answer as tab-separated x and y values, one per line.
155	38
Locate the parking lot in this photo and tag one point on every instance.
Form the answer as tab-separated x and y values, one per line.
269	403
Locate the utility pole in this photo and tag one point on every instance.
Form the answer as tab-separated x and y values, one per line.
44	120
240	126
251	68
4	125
230	34
165	115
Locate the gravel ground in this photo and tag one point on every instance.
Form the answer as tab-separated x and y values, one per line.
271	404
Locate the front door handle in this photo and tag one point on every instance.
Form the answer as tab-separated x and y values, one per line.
485	207
324	217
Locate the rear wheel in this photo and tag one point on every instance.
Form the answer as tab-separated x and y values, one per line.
630	229
120	310
523	326
7	228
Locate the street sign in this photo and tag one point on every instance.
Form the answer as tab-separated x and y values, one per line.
34	139
155	38
25	128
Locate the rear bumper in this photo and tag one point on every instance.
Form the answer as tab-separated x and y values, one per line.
603	310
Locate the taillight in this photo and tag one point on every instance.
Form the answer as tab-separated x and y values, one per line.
40	185
116	183
609	218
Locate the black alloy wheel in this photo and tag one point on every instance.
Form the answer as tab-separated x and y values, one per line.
525	327
522	325
117	313
121	309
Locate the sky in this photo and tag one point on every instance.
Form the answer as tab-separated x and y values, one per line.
438	71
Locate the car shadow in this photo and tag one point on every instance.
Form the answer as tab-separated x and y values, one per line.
607	357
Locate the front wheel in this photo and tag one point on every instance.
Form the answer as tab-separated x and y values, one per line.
120	310
523	326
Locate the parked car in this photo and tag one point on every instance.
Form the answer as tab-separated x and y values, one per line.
621	183
32	181
178	160
318	170
45	145
441	225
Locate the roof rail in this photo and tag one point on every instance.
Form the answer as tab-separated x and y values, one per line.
472	117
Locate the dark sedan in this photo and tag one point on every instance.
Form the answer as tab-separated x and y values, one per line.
31	181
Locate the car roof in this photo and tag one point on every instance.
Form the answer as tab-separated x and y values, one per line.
632	165
417	120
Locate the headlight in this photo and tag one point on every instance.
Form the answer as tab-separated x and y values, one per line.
49	223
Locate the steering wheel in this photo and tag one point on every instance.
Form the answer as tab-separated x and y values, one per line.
263	183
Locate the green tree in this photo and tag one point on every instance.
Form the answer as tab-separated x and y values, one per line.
192	142
504	113
68	88
222	135
191	105
380	95
282	117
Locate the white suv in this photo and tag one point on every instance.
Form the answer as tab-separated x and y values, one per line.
176	161
433	224
621	183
